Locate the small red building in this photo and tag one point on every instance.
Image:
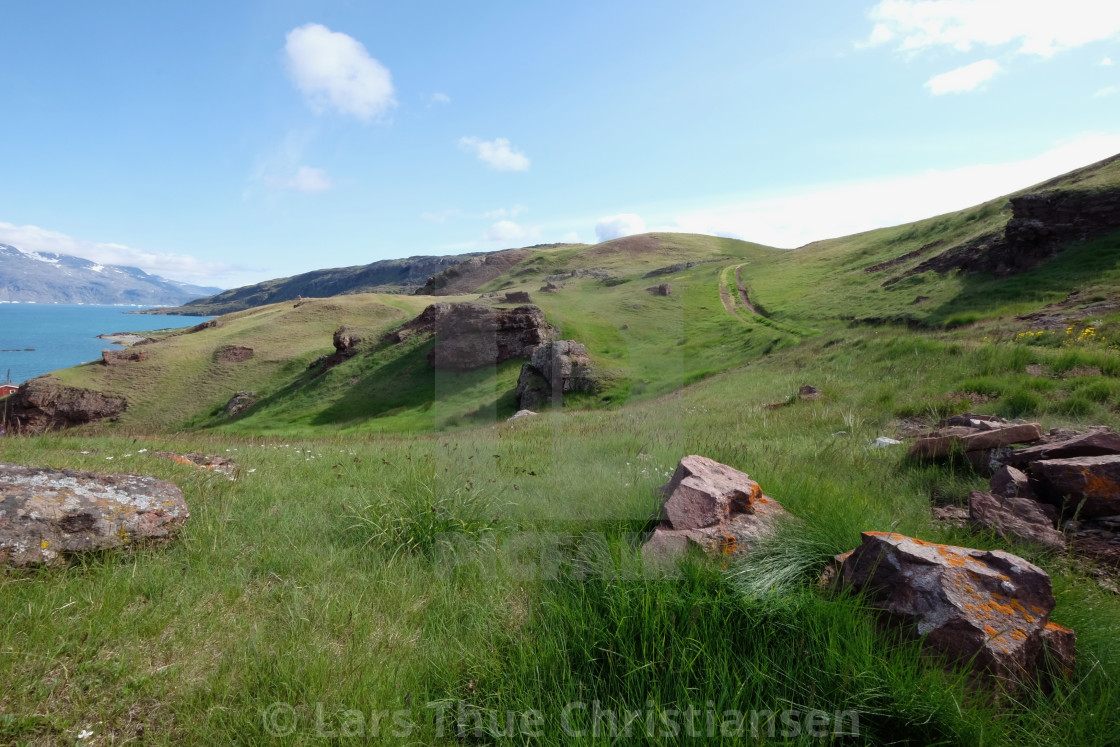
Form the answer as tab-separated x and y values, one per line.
9	388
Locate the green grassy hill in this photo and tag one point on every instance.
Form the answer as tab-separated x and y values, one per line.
391	544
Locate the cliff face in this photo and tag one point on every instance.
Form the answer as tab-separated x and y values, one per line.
470	336
471	274
1041	224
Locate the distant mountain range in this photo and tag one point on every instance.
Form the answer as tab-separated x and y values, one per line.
46	277
387	276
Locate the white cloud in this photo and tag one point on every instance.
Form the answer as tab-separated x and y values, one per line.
1039	27
1106	91
512	212
962	79
616	226
452	214
497	153
843	209
335	71
571	237
440	98
506	231
306	179
181	267
1106	62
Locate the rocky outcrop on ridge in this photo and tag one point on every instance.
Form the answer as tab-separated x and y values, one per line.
46	515
470	336
43	404
471	274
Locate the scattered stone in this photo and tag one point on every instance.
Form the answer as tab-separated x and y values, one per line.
47	514
953	439
521	414
202	461
713	506
660	290
990	605
1088	485
117	357
518	297
43	403
1066	444
233	354
551	288
883	442
346	341
1019	517
809	391
239	403
679	267
555	369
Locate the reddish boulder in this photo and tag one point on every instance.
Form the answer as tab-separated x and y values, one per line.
990	605
1012	483
470	336
1018	517
1089	485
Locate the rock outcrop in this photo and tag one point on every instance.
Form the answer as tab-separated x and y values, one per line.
233	354
45	404
1088	485
986	606
713	506
239	403
346	341
1097	442
46	514
554	370
118	357
518	297
660	290
470	336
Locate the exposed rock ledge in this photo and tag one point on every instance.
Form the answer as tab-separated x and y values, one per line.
43	404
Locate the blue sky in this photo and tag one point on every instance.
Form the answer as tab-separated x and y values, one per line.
226	143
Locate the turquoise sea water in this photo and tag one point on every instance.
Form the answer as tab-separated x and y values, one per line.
37	338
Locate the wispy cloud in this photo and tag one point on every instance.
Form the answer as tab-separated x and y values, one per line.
441	217
966	78
1039	28
1106	62
508	232
498	153
617	226
183	267
1106	91
335	71
306	179
439	98
843	209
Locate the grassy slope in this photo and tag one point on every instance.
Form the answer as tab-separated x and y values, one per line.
321	576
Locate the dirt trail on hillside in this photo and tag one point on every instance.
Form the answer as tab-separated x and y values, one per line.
728	303
743	297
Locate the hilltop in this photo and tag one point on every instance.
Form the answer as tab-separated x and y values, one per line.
48	277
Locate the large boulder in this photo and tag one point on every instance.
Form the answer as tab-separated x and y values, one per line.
713	506
470	335
987	606
44	403
555	369
346	341
47	514
1090	485
1014	516
973	438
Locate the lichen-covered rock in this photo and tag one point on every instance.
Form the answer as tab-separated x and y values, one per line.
1089	485
43	403
47	514
1013	516
968	603
239	403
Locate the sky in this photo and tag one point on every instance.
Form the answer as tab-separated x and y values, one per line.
227	143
